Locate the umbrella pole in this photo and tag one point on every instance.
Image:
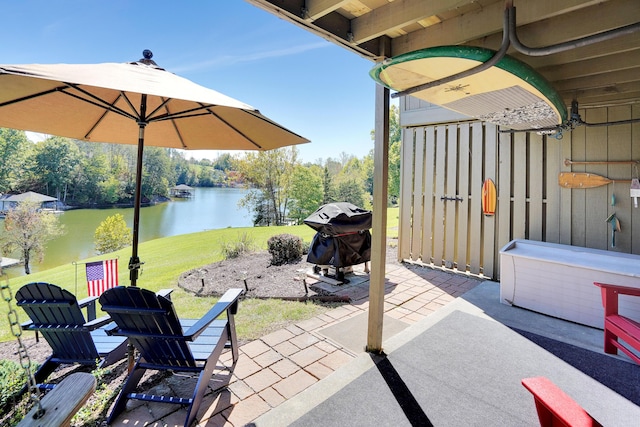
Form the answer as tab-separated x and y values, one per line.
134	262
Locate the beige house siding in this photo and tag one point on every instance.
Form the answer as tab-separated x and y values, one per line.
451	158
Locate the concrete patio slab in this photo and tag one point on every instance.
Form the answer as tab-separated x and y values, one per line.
460	366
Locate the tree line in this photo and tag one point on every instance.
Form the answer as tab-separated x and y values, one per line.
283	189
86	174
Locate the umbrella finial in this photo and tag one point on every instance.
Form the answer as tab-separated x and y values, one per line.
147	55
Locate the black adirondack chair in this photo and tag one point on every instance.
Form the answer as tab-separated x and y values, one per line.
153	327
57	315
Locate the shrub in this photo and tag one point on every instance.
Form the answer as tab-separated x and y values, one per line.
112	234
243	244
284	248
12	378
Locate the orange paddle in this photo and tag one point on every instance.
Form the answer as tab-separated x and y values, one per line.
584	180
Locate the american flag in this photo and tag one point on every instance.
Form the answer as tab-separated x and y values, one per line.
101	275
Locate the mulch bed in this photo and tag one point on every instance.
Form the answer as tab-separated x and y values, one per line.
252	271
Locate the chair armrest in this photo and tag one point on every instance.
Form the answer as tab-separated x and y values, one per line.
226	302
98	323
25	325
86	301
112	331
165	293
90	304
623	290
610	296
555	407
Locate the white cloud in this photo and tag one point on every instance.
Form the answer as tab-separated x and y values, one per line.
250	57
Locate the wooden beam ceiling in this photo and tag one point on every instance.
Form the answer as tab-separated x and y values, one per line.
605	72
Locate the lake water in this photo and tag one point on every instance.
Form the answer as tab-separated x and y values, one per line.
211	208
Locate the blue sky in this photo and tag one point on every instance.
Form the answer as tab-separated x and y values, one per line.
305	83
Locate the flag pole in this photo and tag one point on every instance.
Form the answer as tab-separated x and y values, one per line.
75	292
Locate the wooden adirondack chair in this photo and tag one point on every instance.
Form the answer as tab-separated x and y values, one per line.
57	315
152	326
556	408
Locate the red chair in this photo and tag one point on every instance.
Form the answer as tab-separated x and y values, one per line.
555	407
616	326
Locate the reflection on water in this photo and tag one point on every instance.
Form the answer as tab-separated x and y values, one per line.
211	208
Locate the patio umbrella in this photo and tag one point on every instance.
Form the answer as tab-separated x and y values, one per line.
132	103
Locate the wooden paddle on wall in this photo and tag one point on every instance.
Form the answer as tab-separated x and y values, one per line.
584	180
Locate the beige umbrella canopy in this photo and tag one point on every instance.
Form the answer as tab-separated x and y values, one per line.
132	103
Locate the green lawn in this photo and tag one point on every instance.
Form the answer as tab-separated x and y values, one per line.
165	259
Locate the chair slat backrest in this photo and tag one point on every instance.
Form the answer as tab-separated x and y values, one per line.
56	314
151	323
